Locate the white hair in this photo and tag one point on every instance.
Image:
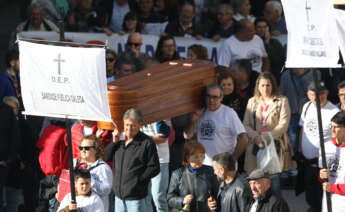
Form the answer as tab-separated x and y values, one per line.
9	99
276	5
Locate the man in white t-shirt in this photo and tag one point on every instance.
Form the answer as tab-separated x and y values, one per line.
309	143
335	159
245	45
217	127
158	188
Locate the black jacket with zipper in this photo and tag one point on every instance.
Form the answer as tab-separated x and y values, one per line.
270	202
134	166
200	185
236	195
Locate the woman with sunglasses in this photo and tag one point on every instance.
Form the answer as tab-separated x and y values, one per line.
191	185
91	157
110	59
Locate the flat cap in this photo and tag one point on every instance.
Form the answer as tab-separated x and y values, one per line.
257	174
312	87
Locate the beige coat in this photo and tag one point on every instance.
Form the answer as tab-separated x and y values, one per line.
278	121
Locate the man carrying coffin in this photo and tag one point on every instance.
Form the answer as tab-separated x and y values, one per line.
135	163
217	127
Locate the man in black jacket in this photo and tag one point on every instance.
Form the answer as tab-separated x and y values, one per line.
135	163
234	193
8	139
265	200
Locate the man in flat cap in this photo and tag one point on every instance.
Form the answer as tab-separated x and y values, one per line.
309	141
265	200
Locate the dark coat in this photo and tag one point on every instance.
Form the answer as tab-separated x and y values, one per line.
174	29
237	195
8	134
270	202
134	166
200	186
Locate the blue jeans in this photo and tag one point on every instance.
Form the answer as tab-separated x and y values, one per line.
293	131
158	189
130	205
14	198
275	184
111	202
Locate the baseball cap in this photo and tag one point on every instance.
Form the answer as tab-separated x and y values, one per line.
312	87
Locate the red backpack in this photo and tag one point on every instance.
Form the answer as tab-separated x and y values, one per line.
53	155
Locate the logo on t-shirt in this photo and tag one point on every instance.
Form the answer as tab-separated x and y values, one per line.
333	166
311	127
254	58
207	129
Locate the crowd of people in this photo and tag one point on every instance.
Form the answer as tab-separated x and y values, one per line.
206	160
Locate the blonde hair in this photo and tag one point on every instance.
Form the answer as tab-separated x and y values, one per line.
270	77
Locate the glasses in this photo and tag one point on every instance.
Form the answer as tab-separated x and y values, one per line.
197	158
87	148
212	97
133	44
110	59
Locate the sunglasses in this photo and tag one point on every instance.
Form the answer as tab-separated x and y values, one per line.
87	148
110	59
133	44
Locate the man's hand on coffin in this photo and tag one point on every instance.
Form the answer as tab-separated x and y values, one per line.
116	135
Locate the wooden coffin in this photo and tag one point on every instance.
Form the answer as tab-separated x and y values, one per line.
160	92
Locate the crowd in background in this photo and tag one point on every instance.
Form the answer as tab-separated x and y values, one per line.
255	100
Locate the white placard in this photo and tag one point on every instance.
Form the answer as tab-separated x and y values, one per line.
64	81
312	34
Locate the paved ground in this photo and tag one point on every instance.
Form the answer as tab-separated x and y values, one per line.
296	204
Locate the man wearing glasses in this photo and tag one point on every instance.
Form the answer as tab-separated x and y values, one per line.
133	46
309	143
335	172
217	127
341	94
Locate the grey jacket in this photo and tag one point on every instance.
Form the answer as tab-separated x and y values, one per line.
200	184
237	195
297	96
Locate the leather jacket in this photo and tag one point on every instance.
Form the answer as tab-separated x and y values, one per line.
236	195
200	184
270	202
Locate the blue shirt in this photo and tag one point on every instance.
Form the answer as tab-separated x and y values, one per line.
6	86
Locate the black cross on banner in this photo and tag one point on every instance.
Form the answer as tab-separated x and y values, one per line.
307	8
59	60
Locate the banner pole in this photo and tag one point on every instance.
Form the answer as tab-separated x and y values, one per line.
322	141
70	159
69	134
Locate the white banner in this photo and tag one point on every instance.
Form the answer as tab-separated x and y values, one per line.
312	34
64	81
117	42
340	16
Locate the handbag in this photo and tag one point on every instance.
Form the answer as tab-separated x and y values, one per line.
267	158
